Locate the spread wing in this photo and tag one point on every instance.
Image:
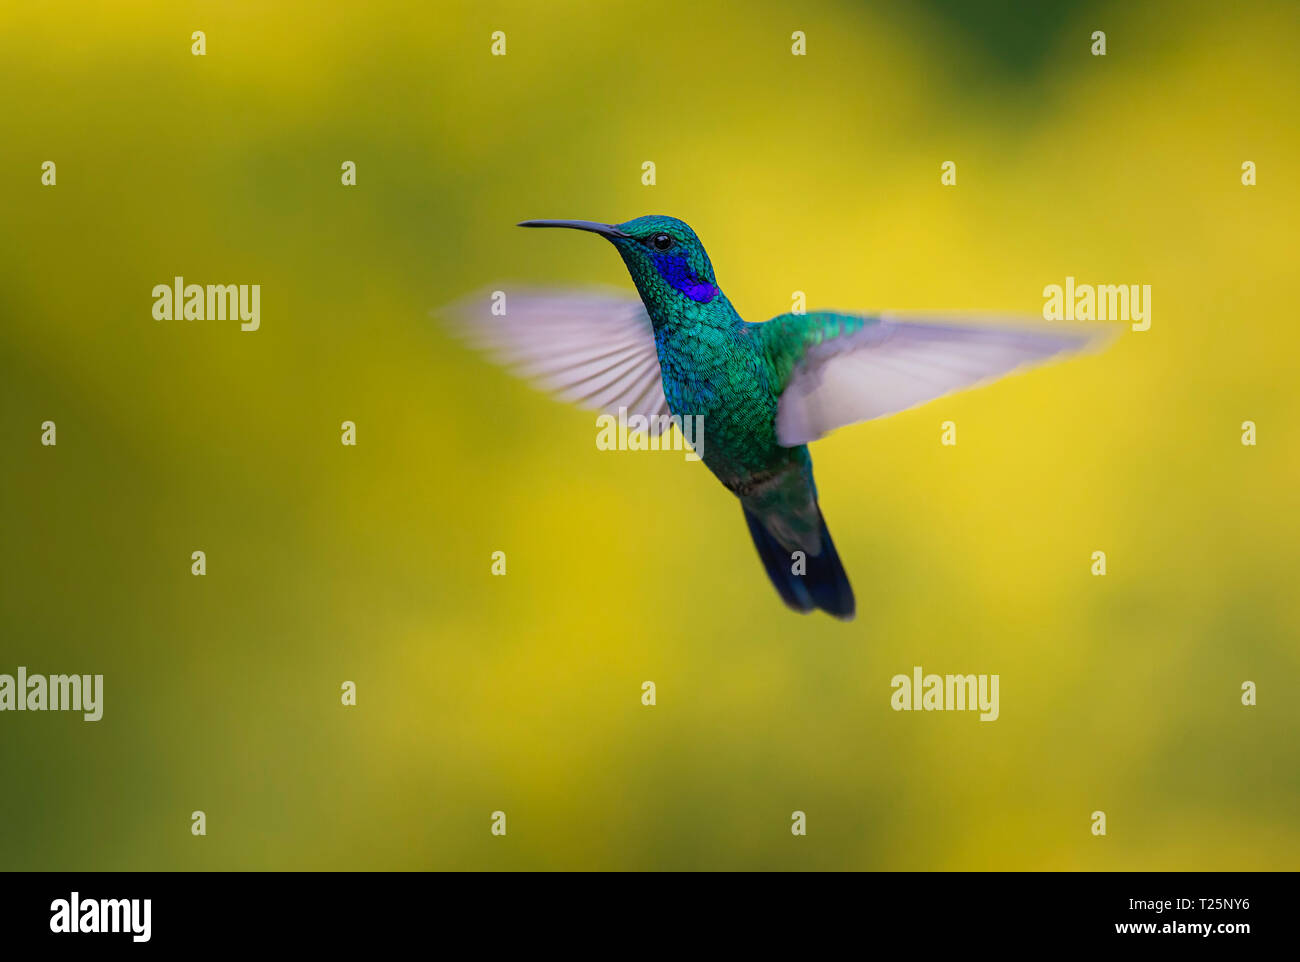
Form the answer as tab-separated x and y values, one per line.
851	368
593	348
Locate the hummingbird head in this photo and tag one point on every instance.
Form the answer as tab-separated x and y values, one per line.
667	262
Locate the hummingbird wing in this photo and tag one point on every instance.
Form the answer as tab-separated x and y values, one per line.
594	348
850	368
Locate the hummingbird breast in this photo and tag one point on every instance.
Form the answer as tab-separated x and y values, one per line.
719	376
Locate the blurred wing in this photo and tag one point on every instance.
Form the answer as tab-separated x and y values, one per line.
894	364
594	348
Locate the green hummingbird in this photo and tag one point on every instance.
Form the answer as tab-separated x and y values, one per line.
761	391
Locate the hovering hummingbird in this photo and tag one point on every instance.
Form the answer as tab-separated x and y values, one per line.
763	390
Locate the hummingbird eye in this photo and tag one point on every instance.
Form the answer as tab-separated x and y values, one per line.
661	242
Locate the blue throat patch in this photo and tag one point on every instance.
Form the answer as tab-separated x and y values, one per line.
676	271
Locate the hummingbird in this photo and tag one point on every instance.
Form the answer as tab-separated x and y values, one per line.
764	390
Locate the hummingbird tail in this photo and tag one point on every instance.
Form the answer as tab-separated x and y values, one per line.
822	584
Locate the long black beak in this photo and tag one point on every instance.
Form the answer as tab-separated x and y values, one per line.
604	230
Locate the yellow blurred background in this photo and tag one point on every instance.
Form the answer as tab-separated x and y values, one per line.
522	693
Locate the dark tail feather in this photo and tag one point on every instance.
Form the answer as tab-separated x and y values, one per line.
823	585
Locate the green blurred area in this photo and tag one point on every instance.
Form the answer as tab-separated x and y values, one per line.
476	693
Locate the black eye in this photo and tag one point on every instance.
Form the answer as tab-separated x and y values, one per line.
661	242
